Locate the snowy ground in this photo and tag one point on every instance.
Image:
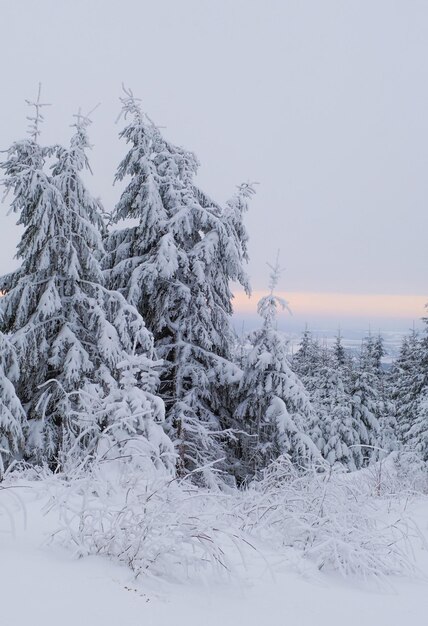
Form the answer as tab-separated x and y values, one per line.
43	584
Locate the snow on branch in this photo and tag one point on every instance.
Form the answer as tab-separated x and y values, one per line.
131	105
268	306
82	120
36	119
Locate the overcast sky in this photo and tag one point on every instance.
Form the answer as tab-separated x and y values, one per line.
324	103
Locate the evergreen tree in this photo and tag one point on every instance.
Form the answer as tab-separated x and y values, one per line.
377	353
332	404
306	361
374	350
132	416
365	402
408	381
70	332
339	351
413	389
345	362
389	440
12	417
176	266
416	438
275	411
326	374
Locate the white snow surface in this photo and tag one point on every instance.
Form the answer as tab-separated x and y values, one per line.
44	584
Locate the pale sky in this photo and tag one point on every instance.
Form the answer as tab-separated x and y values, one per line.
323	103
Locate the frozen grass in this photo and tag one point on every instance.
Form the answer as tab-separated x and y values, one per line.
12	508
333	519
159	527
174	530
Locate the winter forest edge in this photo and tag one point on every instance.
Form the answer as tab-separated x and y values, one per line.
124	386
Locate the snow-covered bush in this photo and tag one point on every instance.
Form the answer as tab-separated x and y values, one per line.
172	528
400	474
157	525
330	518
12	509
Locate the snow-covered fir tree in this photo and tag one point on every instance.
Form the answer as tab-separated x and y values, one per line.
416	438
377	352
176	266
408	381
325	372
412	393
306	361
133	416
388	425
12	417
275	412
69	331
331	402
345	362
374	351
365	401
339	351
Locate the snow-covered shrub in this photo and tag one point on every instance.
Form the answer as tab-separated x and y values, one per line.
12	509
411	471
172	528
157	525
396	476
403	472
330	518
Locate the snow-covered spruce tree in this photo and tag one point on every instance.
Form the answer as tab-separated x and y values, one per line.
12	417
339	351
413	404
416	438
377	352
388	425
409	378
275	409
325	373
365	402
131	415
345	362
332	405
306	361
23	305
175	266
70	332
374	351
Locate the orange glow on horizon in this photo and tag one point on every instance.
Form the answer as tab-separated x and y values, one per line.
341	304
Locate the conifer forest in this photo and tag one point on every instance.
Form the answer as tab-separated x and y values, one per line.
161	438
117	337
213	313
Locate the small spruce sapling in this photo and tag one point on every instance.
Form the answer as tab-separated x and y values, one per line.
275	411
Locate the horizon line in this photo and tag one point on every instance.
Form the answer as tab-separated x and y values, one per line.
328	304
